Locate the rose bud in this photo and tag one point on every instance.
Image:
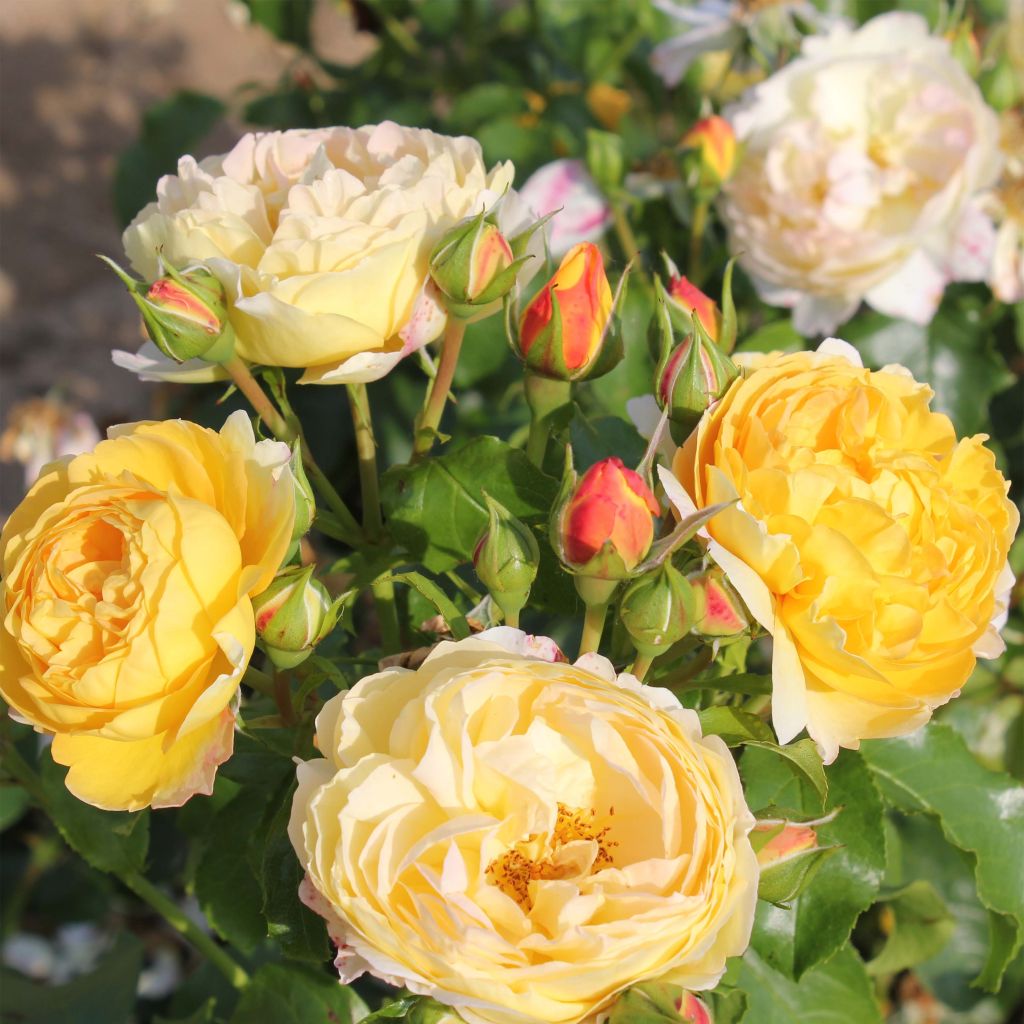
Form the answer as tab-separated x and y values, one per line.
720	612
562	331
693	1011
305	502
692	377
714	144
474	265
293	615
506	559
788	856
186	314
603	526
658	610
654	1002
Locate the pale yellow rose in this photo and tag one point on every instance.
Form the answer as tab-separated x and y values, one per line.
868	540
861	165
523	839
321	238
128	623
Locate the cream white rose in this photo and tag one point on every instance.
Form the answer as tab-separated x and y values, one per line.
321	239
861	165
523	839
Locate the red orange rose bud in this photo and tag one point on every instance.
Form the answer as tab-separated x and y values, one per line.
562	331
657	609
719	612
693	1011
506	559
473	266
604	525
293	615
787	841
185	313
714	147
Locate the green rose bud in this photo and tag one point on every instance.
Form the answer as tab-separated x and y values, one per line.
506	559
293	615
185	313
305	502
473	266
658	609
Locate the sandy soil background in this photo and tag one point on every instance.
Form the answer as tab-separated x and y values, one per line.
75	77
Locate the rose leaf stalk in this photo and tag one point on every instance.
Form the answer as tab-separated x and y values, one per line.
429	418
244	380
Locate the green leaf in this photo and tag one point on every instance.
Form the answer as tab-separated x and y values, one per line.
169	129
436	510
742	682
13	803
113	841
439	599
820	919
803	758
981	812
203	1015
286	19
297	994
225	885
919	926
104	996
734	726
838	992
301	934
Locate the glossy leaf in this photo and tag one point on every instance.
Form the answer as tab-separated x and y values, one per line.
296	994
734	726
981	812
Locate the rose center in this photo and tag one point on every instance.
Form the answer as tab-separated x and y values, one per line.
576	847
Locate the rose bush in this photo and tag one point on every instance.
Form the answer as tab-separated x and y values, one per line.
128	575
321	239
860	171
521	838
867	539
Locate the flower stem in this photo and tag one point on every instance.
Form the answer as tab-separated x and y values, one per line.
284	431
641	666
430	417
627	240
537	439
700	223
259	400
387	615
366	451
593	627
187	928
283	696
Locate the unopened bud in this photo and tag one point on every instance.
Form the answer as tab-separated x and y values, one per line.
506	559
788	856
473	266
562	332
713	143
658	609
693	1011
603	526
305	502
719	610
293	615
692	377
186	313
786	840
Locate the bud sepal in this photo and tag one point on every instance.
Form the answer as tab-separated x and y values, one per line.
293	615
506	559
658	609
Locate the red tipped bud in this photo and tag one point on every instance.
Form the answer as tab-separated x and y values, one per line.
787	842
604	525
185	313
719	610
692	377
692	302
473	266
657	609
563	330
693	1011
293	615
506	559
714	150
788	856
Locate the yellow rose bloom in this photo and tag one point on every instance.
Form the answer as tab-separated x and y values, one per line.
127	619
523	839
867	539
322	239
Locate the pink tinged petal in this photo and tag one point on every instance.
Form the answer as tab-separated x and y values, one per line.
565	189
973	246
427	321
912	293
515	641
